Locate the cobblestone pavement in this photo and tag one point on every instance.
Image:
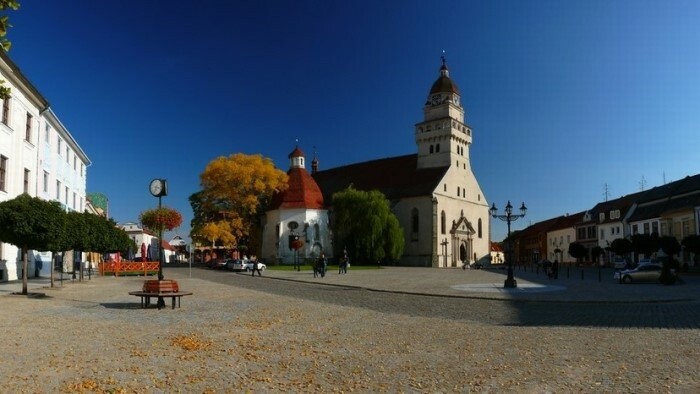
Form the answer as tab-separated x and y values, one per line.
680	310
392	330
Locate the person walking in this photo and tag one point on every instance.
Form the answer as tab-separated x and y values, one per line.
324	265
256	267
555	269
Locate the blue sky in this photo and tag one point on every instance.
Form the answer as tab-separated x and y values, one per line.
564	97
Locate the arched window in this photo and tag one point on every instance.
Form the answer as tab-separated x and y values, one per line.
437	148
431	149
414	223
443	223
317	232
479	228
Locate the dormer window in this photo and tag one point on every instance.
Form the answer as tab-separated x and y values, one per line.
601	217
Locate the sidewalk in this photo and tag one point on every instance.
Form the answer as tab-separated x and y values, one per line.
488	283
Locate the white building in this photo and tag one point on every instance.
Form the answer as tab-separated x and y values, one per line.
298	214
38	156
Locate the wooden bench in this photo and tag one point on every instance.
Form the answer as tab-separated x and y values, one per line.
146	296
161	289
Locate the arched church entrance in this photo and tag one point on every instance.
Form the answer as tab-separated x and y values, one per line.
462	254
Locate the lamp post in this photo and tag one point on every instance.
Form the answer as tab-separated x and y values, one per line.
509	217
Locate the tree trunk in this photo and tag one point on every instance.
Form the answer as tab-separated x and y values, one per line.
25	278
53	266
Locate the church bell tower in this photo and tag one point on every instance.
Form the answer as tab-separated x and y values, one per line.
442	137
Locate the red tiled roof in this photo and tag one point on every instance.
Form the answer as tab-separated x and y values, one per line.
303	192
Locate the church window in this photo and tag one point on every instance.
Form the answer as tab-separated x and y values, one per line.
317	232
478	197
443	225
444	188
459	192
414	223
431	149
437	148
469	132
479	228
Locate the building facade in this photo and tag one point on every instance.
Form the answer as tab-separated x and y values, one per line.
38	156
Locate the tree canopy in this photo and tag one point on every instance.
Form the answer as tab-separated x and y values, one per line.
578	251
621	246
31	223
645	244
365	226
234	191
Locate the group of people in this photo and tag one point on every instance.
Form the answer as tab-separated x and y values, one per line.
321	265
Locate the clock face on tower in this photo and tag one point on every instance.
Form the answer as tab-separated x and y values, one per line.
158	188
436	99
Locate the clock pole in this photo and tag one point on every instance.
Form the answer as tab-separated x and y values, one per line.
160	243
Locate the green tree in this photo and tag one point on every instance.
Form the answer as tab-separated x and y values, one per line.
31	223
596	252
621	246
365	225
4	42
645	244
671	247
577	251
691	243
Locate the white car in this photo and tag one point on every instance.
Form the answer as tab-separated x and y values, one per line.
248	265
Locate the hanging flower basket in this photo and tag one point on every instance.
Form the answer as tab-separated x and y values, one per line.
160	219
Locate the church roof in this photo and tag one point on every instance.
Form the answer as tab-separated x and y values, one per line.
396	177
303	192
444	84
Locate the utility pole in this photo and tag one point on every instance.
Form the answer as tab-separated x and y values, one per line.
642	183
606	191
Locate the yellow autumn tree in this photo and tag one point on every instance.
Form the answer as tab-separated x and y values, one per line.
235	189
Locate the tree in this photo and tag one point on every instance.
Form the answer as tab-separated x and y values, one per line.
596	252
621	246
670	246
4	42
365	225
31	224
577	251
234	190
645	244
691	243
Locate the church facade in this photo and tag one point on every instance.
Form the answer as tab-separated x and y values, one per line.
433	193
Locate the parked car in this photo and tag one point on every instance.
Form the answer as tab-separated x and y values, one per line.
642	273
218	264
620	263
648	261
234	265
248	265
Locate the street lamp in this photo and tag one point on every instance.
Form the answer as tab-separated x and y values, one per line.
509	217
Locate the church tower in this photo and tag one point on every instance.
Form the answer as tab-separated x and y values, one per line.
442	137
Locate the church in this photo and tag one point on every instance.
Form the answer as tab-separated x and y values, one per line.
433	193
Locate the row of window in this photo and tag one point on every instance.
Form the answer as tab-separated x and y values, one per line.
26	182
28	136
445	125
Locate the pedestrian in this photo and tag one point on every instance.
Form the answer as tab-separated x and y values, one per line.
316	264
256	267
343	265
324	265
